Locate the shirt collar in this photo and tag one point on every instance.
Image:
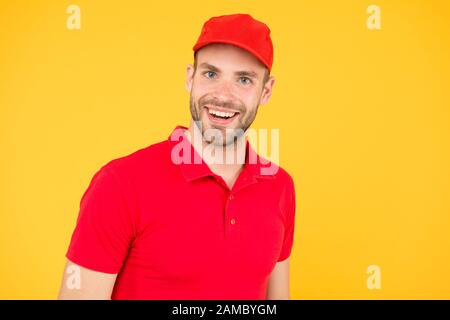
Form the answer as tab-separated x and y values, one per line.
196	168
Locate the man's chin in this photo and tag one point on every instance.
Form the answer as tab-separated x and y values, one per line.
227	136
226	133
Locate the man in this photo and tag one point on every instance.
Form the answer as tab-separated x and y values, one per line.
167	222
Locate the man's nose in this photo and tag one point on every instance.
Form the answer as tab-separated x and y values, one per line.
224	91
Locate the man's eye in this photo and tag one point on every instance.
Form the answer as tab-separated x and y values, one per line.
210	74
245	80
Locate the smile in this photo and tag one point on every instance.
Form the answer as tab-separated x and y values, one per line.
221	116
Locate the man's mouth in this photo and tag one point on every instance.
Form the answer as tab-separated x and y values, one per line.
221	116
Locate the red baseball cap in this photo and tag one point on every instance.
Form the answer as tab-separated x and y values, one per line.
241	30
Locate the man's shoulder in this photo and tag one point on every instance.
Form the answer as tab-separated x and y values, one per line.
276	171
284	181
151	157
284	174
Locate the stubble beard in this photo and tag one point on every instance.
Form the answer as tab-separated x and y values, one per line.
230	135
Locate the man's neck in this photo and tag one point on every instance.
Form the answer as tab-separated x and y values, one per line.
229	167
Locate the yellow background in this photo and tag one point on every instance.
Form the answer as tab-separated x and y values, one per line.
363	116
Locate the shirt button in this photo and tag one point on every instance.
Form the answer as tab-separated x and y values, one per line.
231	197
232	221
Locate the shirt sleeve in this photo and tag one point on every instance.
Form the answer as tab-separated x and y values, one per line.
289	209
105	228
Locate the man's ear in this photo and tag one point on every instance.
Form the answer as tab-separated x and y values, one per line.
189	77
267	90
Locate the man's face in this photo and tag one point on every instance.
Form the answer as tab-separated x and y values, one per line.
226	89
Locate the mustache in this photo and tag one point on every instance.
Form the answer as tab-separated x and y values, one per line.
224	104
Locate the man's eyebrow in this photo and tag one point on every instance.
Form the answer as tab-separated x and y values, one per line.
251	74
209	66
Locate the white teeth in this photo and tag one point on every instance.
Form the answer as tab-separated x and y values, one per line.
222	114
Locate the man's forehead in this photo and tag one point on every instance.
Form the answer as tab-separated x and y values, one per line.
225	55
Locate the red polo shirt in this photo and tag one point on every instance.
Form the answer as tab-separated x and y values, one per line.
176	231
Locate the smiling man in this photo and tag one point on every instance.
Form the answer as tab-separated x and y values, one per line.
167	222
